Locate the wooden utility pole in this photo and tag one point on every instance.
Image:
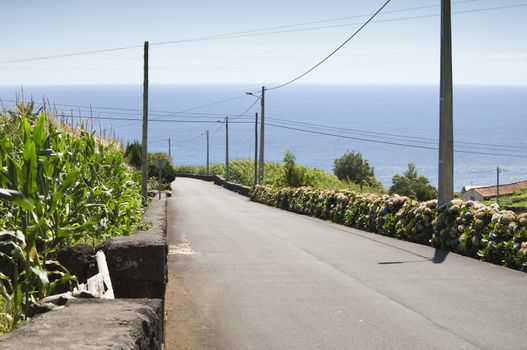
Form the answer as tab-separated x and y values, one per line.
446	128
498	171
256	149
144	162
227	170
207	133
169	149
262	136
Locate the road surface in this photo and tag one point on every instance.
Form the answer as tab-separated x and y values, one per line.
248	276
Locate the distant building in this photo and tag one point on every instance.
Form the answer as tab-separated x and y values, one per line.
483	193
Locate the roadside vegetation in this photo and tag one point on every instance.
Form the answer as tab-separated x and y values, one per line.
350	172
412	185
134	157
517	201
285	174
58	187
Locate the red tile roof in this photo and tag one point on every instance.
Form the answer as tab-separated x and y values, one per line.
505	189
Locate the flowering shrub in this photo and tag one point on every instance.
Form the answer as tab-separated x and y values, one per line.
468	228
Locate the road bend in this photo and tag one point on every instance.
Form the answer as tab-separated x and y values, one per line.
248	276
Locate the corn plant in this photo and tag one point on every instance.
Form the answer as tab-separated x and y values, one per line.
56	189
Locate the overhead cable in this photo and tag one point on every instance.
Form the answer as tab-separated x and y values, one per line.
334	51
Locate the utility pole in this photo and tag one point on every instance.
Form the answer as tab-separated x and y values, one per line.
207	133
498	171
169	149
446	129
361	173
144	162
262	136
227	170
256	149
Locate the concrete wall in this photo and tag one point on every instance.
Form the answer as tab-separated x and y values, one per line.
472	195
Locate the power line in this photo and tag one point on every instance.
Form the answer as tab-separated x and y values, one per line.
212	103
151	111
378	21
334	51
392	136
151	120
81	53
278	120
254	32
247	110
389	142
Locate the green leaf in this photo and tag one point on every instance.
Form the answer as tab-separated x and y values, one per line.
30	168
66	231
16	197
42	276
39	134
18	235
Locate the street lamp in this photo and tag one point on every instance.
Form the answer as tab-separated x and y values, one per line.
262	132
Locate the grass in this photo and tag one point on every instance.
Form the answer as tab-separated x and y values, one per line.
242	171
517	200
4	324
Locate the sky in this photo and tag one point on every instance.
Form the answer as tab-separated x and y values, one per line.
400	47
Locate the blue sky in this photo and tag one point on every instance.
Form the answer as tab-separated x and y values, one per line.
489	46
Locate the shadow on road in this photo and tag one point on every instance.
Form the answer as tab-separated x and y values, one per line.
440	256
401	262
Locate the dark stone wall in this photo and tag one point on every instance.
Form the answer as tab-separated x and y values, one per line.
92	324
138	270
231	186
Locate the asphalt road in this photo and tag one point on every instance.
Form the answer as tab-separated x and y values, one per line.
247	276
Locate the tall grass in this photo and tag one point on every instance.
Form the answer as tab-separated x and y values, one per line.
57	188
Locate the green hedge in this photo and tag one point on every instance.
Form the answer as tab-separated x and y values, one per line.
469	228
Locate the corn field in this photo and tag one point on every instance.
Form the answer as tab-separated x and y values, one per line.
57	188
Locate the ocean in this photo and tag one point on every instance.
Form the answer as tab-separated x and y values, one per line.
391	125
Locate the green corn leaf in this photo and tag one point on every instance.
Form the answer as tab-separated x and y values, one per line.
18	235
4	280
70	179
30	169
69	230
16	197
42	276
39	133
15	172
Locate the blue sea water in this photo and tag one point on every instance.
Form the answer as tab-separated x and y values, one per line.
488	119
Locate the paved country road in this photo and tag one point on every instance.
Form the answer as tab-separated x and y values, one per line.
247	276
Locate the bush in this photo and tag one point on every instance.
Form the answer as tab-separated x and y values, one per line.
134	154
468	228
292	175
352	167
412	185
168	174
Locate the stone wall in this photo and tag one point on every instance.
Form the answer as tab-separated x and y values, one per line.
218	180
138	270
91	324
